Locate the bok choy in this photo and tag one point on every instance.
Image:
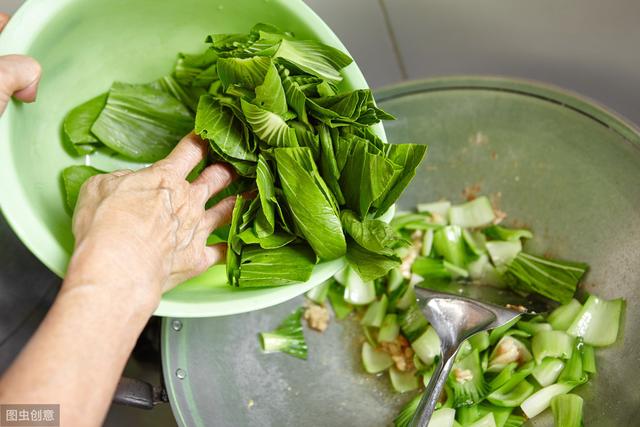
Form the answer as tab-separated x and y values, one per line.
271	106
499	378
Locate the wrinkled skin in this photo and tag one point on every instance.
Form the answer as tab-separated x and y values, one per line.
149	228
138	234
19	75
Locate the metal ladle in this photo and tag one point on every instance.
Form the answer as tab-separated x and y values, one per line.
455	319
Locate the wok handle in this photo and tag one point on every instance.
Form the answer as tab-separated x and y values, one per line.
139	394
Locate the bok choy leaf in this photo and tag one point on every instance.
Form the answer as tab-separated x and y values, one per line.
141	122
287	338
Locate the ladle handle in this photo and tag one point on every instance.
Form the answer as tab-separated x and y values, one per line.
434	389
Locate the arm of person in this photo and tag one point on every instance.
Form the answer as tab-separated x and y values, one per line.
138	234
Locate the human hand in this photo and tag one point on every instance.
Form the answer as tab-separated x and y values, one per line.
19	75
142	233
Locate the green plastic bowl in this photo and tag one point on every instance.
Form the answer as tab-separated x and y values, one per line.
83	46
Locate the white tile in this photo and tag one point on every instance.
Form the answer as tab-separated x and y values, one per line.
361	27
588	46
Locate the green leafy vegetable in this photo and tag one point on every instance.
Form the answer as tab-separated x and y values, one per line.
449	244
556	280
512	398
336	297
315	214
225	132
275	267
246	72
371	234
430	269
314	58
503	253
142	122
497	232
73	177
369	265
77	124
287	338
270	105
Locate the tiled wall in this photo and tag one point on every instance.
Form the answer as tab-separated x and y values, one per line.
589	46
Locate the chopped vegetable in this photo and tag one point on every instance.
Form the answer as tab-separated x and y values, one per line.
497	232
287	338
449	243
404	417
318	294
389	329
503	253
475	213
562	317
547	372
506	351
467	381
375	313
513	397
567	410
440	208
412	322
598	321
336	297
357	291
501	377
373	360
588	359
551	344
486	421
556	280
403	382
541	399
427	346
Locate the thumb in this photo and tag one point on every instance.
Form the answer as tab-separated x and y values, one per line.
19	77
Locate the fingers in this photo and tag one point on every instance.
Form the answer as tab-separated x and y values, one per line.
121	172
4	20
215	254
219	214
214	179
19	77
185	156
